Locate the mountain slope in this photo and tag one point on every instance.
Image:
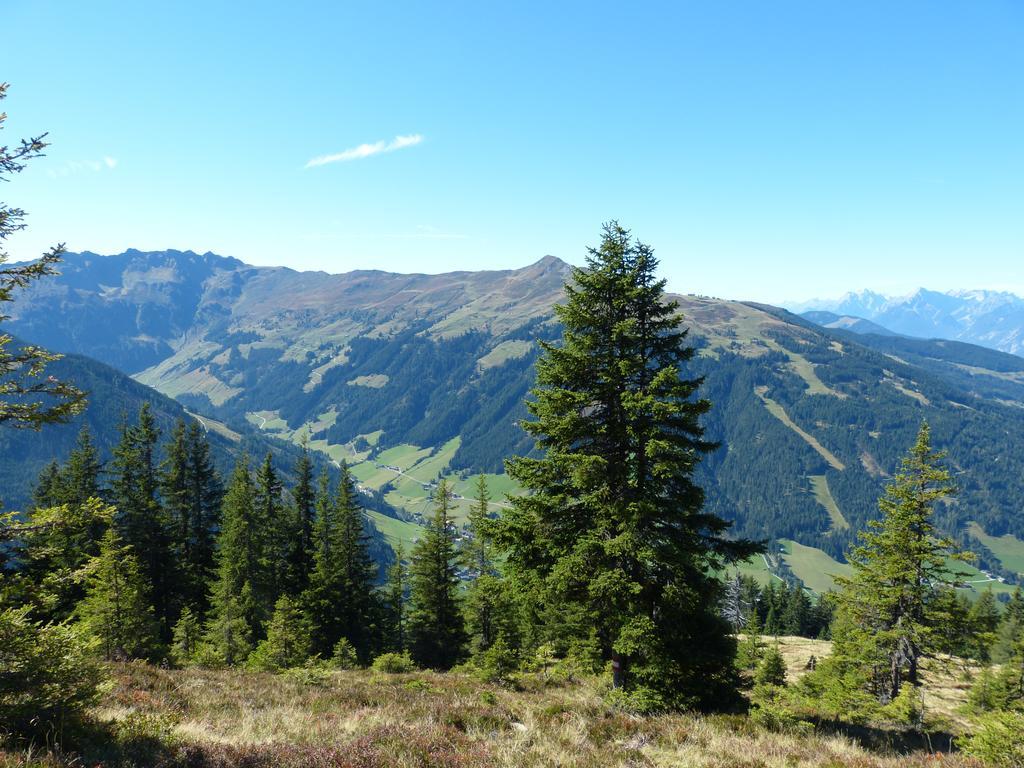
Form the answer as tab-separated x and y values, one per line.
992	319
112	397
410	377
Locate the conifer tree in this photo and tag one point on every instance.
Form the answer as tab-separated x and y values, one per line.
49	489
81	474
301	544
436	627
341	600
394	603
772	669
204	501
269	509
983	623
288	640
59	541
890	613
116	608
141	520
187	636
613	529
243	593
489	608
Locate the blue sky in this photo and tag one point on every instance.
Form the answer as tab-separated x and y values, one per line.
767	150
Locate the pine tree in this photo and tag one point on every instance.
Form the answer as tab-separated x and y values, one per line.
751	649
796	617
341	600
301	544
116	608
270	513
28	400
175	495
81	474
187	636
242	598
889	610
141	520
49	488
288	640
204	501
478	555
489	609
614	527
436	628
394	603
772	669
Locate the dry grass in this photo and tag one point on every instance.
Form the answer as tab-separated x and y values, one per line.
233	718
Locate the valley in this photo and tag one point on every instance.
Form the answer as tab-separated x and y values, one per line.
413	378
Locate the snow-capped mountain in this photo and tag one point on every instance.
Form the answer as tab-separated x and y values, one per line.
993	319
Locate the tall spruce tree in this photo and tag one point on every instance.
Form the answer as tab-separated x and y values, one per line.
81	474
341	600
891	612
613	537
116	608
205	494
141	519
488	605
394	634
437	630
301	542
243	594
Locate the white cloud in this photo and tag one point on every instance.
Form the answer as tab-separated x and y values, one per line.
366	150
74	167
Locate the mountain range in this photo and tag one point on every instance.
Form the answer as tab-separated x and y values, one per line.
413	377
992	319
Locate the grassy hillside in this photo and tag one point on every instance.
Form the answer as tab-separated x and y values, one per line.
200	718
415	377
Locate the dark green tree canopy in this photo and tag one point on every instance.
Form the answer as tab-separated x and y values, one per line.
614	527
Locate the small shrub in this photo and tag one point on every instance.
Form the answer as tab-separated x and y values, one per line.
393	663
496	664
772	668
639	700
344	656
996	740
314	675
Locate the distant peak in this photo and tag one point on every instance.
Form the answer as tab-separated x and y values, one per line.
550	264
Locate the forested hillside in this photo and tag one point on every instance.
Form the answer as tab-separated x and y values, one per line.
414	377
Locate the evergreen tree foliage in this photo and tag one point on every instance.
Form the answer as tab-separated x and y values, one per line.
242	597
116	609
300	559
141	520
58	542
437	631
48	674
288	641
751	649
489	607
772	669
890	611
187	637
613	528
28	400
341	600
983	622
205	493
394	599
